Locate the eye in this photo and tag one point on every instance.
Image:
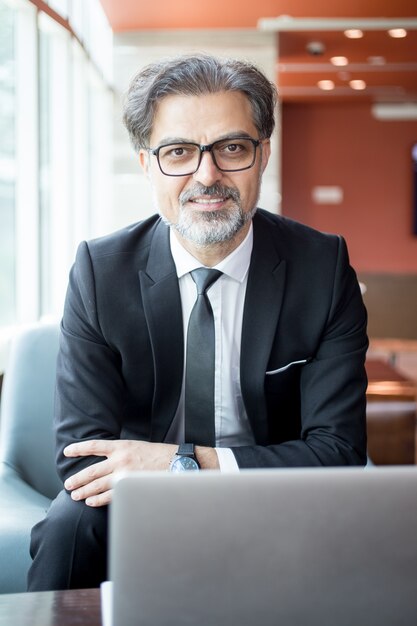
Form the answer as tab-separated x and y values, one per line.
233	147
177	151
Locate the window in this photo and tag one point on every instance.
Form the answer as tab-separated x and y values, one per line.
55	158
7	164
55	132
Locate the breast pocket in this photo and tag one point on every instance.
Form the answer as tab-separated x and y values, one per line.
284	368
283	401
285	377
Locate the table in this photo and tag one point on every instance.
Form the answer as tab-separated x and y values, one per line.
391	415
393	347
385	382
79	607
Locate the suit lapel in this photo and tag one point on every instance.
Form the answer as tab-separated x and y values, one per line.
264	294
162	306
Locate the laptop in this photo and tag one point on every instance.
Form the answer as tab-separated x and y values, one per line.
287	547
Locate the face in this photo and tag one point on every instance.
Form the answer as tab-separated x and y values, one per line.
210	206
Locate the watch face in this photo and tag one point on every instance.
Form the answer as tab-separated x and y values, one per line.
184	464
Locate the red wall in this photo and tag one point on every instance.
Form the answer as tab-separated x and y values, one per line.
343	145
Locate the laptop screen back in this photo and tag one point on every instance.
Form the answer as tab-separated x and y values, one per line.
325	547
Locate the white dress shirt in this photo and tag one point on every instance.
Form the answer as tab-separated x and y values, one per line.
227	297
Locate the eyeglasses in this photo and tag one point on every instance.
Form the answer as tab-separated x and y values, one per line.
232	154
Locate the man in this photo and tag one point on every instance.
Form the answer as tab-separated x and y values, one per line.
290	339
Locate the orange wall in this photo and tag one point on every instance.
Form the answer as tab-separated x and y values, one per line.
342	144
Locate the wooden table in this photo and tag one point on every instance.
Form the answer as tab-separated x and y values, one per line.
385	382
391	415
393	347
51	608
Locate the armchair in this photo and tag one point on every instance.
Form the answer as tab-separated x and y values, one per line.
28	479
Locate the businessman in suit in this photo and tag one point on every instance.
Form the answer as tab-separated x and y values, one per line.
289	322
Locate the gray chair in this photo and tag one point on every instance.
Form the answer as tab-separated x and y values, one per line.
28	479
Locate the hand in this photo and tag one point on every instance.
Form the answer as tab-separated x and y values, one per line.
94	483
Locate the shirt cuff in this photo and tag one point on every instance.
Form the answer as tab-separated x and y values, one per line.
227	461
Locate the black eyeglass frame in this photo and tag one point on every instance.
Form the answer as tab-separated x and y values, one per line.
207	148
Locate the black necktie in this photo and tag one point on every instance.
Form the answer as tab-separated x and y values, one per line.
199	371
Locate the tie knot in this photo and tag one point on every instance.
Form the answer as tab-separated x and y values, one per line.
204	278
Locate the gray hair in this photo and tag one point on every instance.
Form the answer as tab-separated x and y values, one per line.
194	76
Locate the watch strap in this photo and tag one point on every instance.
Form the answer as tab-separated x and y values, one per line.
186	449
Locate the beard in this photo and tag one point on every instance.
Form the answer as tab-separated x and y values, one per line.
205	228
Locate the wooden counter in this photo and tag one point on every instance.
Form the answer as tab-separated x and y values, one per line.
391	415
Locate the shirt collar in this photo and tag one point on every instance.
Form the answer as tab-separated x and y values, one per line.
235	265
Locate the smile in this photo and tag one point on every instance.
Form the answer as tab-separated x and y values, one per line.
208	200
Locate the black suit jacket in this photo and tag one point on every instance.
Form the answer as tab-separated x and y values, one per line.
120	364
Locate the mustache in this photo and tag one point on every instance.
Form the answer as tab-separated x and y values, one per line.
212	190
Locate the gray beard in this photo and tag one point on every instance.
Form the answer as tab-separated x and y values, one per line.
205	228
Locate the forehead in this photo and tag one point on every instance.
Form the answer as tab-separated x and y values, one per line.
202	118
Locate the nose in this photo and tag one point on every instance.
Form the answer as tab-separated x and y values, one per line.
207	174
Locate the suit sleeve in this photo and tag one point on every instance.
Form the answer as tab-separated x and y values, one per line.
332	388
89	391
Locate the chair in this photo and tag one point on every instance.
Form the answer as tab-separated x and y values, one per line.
28	479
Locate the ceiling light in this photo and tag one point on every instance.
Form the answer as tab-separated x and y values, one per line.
353	33
358	85
326	85
339	61
397	33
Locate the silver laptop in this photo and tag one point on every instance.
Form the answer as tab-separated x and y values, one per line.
291	547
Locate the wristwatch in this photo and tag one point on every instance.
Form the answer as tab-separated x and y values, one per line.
184	460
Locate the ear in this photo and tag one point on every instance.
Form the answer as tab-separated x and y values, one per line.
266	153
144	161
